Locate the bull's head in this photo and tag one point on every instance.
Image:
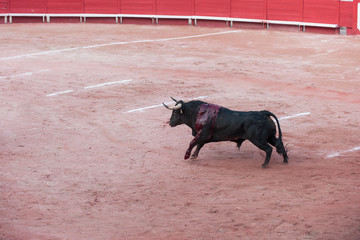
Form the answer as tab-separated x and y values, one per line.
177	116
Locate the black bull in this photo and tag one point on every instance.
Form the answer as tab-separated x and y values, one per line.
213	123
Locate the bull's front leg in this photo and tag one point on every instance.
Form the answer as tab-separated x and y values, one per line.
197	150
193	143
199	140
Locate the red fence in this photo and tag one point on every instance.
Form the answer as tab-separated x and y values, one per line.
340	12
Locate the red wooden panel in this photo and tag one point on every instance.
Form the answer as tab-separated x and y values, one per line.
253	9
284	10
4	7
175	7
65	6
137	6
346	14
27	6
215	8
321	11
104	6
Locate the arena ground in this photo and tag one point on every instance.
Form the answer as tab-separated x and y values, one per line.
86	151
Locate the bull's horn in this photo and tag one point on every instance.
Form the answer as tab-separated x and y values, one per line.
176	107
174	99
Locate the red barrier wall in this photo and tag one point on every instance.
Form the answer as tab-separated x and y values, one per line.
321	11
63	6
4	7
103	6
342	13
27	6
284	10
175	7
252	9
215	8
346	16
137	6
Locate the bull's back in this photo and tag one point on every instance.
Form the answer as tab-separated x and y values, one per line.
235	125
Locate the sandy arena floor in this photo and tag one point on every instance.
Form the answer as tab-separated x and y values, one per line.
86	152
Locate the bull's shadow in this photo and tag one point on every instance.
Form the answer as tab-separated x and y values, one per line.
227	155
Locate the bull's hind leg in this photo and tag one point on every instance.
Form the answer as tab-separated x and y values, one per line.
268	150
280	149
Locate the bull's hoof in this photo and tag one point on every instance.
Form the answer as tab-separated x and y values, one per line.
186	157
264	165
194	156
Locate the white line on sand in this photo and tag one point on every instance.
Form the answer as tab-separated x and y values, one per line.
58	93
295	115
39	53
106	84
89	87
116	43
24	74
158	105
339	153
144	108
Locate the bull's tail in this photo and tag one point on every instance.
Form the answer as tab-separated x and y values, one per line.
280	148
270	114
